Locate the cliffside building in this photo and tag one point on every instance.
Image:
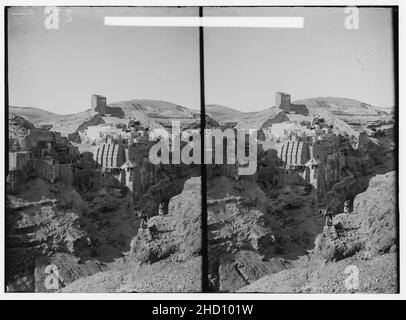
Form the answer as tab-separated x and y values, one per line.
304	161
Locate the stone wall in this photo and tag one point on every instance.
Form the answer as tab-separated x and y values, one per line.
46	169
38	135
66	174
18	160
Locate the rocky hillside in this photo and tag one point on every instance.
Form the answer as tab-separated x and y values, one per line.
68	123
153	113
164	259
314	275
30	113
333	109
370	230
363	242
255	231
241	235
221	113
342	105
17	127
178	232
377	206
54	222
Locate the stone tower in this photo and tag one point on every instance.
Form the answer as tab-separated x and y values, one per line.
282	100
98	104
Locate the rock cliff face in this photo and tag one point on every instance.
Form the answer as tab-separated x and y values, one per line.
178	232
241	238
163	258
17	128
377	205
362	244
370	229
39	223
45	220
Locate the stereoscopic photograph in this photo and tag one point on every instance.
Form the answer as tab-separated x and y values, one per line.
211	149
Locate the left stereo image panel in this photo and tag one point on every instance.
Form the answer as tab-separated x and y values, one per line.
99	112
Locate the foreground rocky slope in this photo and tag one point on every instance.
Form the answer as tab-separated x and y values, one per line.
163	258
314	275
178	232
363	245
370	229
92	239
54	222
240	233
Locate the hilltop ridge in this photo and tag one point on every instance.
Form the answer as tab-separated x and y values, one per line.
157	113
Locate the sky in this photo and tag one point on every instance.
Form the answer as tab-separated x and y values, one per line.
245	67
59	70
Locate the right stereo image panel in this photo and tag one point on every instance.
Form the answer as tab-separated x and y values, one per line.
301	150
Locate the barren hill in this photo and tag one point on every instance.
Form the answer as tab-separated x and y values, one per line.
30	113
342	105
153	113
156	113
220	113
348	116
331	107
343	112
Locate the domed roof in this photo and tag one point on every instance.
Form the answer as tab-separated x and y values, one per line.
110	155
294	152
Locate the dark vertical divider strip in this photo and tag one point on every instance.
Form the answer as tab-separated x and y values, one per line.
6	142
205	260
395	32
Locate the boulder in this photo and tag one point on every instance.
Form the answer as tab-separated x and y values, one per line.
370	229
337	245
377	205
178	232
186	208
238	220
240	269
